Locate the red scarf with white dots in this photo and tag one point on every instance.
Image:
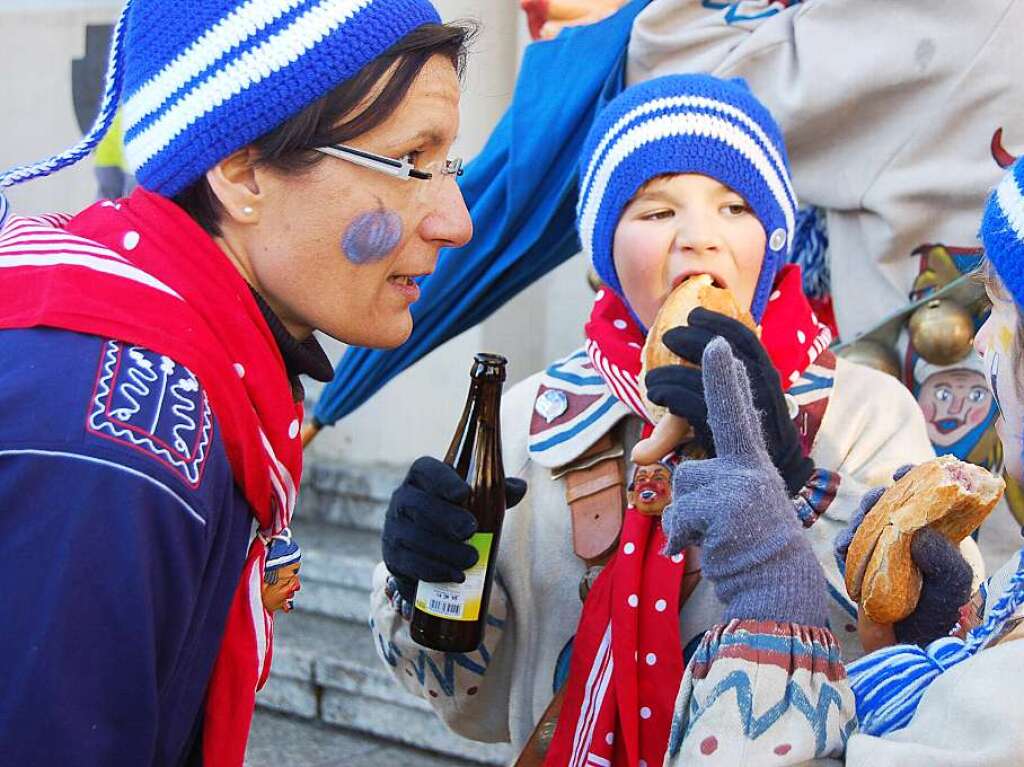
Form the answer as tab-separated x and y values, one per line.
139	270
627	655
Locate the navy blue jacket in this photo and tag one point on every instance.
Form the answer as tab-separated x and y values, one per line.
122	539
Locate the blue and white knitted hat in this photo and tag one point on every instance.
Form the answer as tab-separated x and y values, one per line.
1002	230
685	124
282	551
197	81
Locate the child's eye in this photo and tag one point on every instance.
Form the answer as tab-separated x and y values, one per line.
413	156
736	208
658	215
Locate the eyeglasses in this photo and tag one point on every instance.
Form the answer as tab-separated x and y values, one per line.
433	173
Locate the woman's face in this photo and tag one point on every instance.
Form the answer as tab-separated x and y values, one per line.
683	225
999	345
336	247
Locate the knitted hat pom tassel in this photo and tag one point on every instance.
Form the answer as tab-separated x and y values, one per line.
108	109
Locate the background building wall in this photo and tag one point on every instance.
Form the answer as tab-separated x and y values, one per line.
416	413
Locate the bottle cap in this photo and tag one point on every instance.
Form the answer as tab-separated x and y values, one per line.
488	366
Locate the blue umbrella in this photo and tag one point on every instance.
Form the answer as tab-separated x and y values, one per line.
521	194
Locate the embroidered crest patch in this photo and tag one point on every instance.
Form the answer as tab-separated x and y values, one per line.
153	405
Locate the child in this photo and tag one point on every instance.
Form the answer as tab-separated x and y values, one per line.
681	175
949	703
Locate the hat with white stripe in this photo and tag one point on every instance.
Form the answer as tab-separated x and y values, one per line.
1002	230
686	124
282	551
197	81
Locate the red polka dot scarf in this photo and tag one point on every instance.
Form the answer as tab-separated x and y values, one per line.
627	655
141	271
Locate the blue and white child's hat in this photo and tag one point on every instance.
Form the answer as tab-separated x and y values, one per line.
1002	230
200	80
686	124
282	551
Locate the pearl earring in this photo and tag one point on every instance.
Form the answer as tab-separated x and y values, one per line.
247	211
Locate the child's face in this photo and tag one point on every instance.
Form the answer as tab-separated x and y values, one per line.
996	341
682	225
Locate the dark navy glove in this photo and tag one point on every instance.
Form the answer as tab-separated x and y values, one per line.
945	575
681	390
427	524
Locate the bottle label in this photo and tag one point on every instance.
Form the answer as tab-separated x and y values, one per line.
458	601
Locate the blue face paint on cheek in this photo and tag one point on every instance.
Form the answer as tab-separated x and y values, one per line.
372	236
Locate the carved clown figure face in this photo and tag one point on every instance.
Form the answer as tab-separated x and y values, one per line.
278	595
651	489
954	402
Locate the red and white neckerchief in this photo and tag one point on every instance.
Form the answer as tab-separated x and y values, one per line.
139	270
627	655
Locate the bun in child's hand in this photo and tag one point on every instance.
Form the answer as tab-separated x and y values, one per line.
699	290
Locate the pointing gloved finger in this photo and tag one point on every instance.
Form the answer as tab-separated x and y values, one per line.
732	417
687	342
515	489
439	479
430	513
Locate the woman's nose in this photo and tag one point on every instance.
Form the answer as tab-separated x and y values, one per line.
448	223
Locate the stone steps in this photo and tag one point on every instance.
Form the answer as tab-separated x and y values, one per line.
325	667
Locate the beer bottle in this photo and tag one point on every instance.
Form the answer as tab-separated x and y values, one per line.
451	616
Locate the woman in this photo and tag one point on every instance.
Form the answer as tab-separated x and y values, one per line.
293	170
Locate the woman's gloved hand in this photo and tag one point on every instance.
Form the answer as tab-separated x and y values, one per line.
735	506
945	581
427	524
680	389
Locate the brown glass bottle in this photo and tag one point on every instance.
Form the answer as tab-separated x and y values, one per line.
451	616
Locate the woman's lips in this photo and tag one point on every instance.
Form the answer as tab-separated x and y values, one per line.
408	289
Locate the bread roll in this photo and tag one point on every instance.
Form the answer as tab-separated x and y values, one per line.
688	295
948	495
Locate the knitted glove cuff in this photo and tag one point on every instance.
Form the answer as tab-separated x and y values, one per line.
815	497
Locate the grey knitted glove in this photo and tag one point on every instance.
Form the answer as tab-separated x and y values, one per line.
736	507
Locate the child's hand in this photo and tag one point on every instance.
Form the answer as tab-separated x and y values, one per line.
945	582
680	390
736	508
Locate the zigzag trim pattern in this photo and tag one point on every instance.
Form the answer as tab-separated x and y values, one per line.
815	712
445	677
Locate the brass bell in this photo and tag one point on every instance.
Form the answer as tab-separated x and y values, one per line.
942	331
593	280
872	354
